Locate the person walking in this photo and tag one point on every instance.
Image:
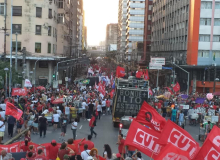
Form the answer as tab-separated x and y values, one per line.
53	150
121	147
107	152
64	122
11	123
43	125
181	119
74	127
99	109
55	120
173	115
88	142
85	153
84	109
92	124
2	129
35	124
104	106
91	108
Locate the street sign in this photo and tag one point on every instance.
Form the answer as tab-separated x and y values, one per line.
55	84
153	66
66	79
158	61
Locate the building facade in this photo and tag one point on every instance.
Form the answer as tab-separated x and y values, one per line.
111	34
134	26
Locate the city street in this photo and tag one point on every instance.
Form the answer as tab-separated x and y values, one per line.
107	134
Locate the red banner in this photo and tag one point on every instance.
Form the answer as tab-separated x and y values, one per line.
150	117
112	93
168	89
101	88
180	138
176	88
13	111
214	136
146	75
143	139
19	92
150	92
170	152
120	72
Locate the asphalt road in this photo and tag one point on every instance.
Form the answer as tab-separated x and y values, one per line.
107	134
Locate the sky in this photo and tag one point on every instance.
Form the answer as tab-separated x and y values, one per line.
99	13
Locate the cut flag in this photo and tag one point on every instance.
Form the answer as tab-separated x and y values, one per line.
150	92
150	117
101	88
168	89
176	88
143	139
13	111
170	152
112	93
180	138
146	75
120	72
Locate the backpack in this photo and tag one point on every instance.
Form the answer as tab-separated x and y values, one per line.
21	121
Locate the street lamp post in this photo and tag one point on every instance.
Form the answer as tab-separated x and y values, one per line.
214	79
16	51
6	81
35	74
31	73
10	75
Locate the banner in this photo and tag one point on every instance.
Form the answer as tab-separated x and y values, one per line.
143	139
180	138
101	88
120	72
18	92
86	81
13	111
112	93
170	152
150	117
27	83
146	75
176	88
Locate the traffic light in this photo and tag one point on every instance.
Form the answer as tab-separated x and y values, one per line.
203	83
53	75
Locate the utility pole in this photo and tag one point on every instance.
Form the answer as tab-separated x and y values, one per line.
214	78
10	75
5	29
204	80
16	57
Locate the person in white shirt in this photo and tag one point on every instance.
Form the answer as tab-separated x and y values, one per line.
74	127
59	111
103	106
2	129
85	153
99	109
55	120
84	108
67	112
2	113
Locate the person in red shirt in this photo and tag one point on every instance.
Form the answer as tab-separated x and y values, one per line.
53	150
92	124
50	109
88	142
108	103
25	147
121	147
40	155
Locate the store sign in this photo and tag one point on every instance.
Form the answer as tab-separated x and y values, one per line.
158	61
129	102
153	66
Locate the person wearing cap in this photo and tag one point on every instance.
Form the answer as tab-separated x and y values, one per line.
66	157
40	155
53	150
43	125
118	156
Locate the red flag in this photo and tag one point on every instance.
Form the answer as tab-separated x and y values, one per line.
146	75
120	72
176	88
101	88
180	138
208	151
143	139
112	93
139	74
13	111
171	152
169	89
19	92
150	117
150	92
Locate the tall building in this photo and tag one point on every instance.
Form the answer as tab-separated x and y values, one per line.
147	30
111	34
85	37
135	25
121	40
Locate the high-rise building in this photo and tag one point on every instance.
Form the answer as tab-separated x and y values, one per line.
111	34
147	30
121	40
135	25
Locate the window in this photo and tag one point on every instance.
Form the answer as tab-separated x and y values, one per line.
49	48
217	5
49	30
2	9
205	21
148	27
16	28
38	12
14	46
54	49
206	5
148	37
216	38
149	17
38	30
60	4
43	64
150	7
203	54
50	16
217	22
37	47
17	11
204	38
60	18
217	54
